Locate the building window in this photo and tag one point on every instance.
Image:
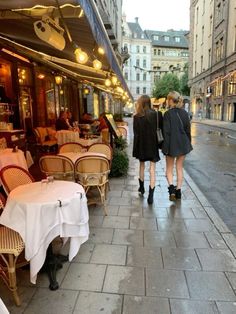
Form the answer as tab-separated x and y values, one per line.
144	76
126	76
137	90
218	88
235	38
137	49
137	77
217	51
202	34
137	62
155	37
203	6
209	58
201	63
166	38
221	48
144	49
177	39
154	52
197	12
159	52
195	68
232	85
144	90
196	43
144	63
211	25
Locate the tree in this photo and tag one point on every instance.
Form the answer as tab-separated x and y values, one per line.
184	88
169	82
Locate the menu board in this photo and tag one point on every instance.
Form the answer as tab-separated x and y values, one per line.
112	125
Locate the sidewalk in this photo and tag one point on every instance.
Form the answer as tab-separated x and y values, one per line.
216	123
166	258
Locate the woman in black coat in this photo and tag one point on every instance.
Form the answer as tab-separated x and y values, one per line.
145	146
177	142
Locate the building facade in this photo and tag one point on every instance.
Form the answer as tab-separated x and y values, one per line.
169	53
212	71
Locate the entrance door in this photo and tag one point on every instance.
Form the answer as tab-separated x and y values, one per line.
234	120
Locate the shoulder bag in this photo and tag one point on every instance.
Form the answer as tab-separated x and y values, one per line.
160	137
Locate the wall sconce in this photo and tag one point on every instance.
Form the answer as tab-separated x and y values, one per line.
41	76
81	56
58	79
97	64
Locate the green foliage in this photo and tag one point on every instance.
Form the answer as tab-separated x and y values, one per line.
120	163
184	88
120	143
169	82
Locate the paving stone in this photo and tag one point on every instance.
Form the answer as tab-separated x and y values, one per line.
182	259
53	302
144	257
84	277
124	280
199	225
215	240
94	303
130	211
160	212
116	193
116	222
112	210
199	212
159	239
149	305
226	307
216	260
128	237
209	286
143	223
85	253
191	240
120	201
109	254
230	241
100	235
166	283
179	213
171	225
95	221
192	307
232	279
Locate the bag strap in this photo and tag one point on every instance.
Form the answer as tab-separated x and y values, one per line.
157	121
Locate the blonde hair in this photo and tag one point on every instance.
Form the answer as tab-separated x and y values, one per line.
177	100
143	103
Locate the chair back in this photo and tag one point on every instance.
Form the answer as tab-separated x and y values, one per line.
3	143
2	203
101	148
61	167
123	131
71	147
12	176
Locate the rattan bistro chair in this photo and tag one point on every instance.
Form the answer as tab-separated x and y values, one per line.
60	167
71	147
11	246
101	148
92	171
12	176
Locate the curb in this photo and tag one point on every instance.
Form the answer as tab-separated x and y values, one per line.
214	126
228	237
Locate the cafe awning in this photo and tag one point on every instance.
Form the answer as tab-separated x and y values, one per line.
79	18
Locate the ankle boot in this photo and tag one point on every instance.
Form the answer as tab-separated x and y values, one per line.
172	190
141	186
150	195
178	194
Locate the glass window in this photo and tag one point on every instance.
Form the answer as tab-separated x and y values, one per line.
137	90
144	63
166	38
144	76
126	76
137	76
144	90
137	49
144	49
177	39
137	62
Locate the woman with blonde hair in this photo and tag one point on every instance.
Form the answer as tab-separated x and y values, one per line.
145	146
177	142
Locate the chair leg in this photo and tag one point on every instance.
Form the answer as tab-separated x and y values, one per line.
12	278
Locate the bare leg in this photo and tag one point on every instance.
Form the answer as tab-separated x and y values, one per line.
141	170
169	169
152	171
179	170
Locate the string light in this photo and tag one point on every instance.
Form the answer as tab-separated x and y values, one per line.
114	79
81	56
101	51
97	64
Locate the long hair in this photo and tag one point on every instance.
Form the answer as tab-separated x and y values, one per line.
177	100
143	104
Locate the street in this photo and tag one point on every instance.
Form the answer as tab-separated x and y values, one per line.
212	166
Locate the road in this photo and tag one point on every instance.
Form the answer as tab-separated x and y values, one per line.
212	165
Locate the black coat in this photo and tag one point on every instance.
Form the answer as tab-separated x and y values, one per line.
145	146
176	132
61	124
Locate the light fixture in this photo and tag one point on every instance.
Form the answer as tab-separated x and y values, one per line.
86	91
41	76
81	56
58	79
97	64
61	92
107	81
101	51
114	79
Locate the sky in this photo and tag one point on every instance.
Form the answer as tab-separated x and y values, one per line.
158	15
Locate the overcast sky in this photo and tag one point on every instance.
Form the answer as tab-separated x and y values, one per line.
158	14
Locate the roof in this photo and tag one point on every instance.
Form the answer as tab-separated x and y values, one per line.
136	29
172	34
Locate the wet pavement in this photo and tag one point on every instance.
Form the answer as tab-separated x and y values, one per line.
166	258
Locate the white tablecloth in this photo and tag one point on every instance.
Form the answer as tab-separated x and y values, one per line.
8	157
40	212
66	136
74	156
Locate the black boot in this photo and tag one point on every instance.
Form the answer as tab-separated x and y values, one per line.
150	195
141	186
172	190
178	194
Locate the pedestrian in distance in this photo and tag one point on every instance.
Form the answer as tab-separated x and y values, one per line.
145	145
177	142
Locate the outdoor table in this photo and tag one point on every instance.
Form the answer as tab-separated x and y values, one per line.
8	157
67	136
73	156
40	212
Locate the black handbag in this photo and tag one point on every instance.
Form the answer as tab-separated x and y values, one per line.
160	137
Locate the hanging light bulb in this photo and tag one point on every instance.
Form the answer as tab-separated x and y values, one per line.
101	51
58	79
114	79
97	64
107	81
81	56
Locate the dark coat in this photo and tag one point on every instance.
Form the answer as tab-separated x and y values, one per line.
176	132
61	124
145	146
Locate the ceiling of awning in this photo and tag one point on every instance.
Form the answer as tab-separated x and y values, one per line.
16	24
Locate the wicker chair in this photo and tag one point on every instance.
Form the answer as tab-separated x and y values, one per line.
60	167
92	171
71	147
12	176
11	246
101	148
122	131
43	141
